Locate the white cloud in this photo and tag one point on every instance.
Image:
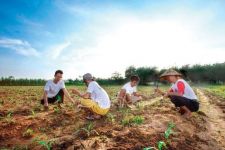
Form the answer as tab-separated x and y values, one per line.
55	51
72	9
143	42
20	46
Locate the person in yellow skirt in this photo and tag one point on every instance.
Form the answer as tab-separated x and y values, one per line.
95	99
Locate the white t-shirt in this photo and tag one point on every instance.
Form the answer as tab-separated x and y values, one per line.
129	89
52	88
98	95
187	90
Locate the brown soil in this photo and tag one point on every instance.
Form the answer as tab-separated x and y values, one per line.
205	130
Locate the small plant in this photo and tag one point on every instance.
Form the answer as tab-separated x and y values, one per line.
140	106
45	144
9	118
162	144
33	114
169	131
138	120
124	111
111	117
56	110
129	121
126	122
28	133
88	129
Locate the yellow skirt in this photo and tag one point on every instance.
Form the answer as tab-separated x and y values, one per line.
94	107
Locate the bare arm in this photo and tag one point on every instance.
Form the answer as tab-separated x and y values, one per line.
174	94
45	98
68	95
122	93
85	95
168	93
138	94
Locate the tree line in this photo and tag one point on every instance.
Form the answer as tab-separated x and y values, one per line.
211	74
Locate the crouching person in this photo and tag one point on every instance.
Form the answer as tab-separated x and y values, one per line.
95	100
128	93
55	90
180	93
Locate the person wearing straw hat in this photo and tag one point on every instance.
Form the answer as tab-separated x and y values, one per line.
95	99
180	93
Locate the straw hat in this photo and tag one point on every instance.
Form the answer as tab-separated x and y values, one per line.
170	72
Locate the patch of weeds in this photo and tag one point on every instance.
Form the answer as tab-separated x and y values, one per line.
126	122
57	110
140	106
33	114
42	129
132	120
124	111
45	144
88	129
138	120
9	119
111	118
28	133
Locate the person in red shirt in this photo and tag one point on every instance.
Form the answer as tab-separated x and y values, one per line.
180	93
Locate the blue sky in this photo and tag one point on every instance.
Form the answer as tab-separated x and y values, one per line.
38	37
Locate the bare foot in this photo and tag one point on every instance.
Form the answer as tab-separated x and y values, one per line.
46	108
97	116
187	115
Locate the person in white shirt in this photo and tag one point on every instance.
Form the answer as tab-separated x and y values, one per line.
180	93
95	99
54	91
128	93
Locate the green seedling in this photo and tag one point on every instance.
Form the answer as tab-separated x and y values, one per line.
45	144
111	117
138	120
169	131
56	110
129	121
161	145
126	122
88	129
28	133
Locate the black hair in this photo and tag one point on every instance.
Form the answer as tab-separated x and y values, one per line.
134	78
58	71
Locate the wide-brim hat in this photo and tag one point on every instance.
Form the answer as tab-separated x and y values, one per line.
170	72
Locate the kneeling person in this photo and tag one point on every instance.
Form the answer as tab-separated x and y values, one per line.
95	99
128	94
54	90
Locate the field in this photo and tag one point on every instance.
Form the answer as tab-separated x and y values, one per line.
151	124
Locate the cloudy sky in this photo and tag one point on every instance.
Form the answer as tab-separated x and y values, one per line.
38	37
